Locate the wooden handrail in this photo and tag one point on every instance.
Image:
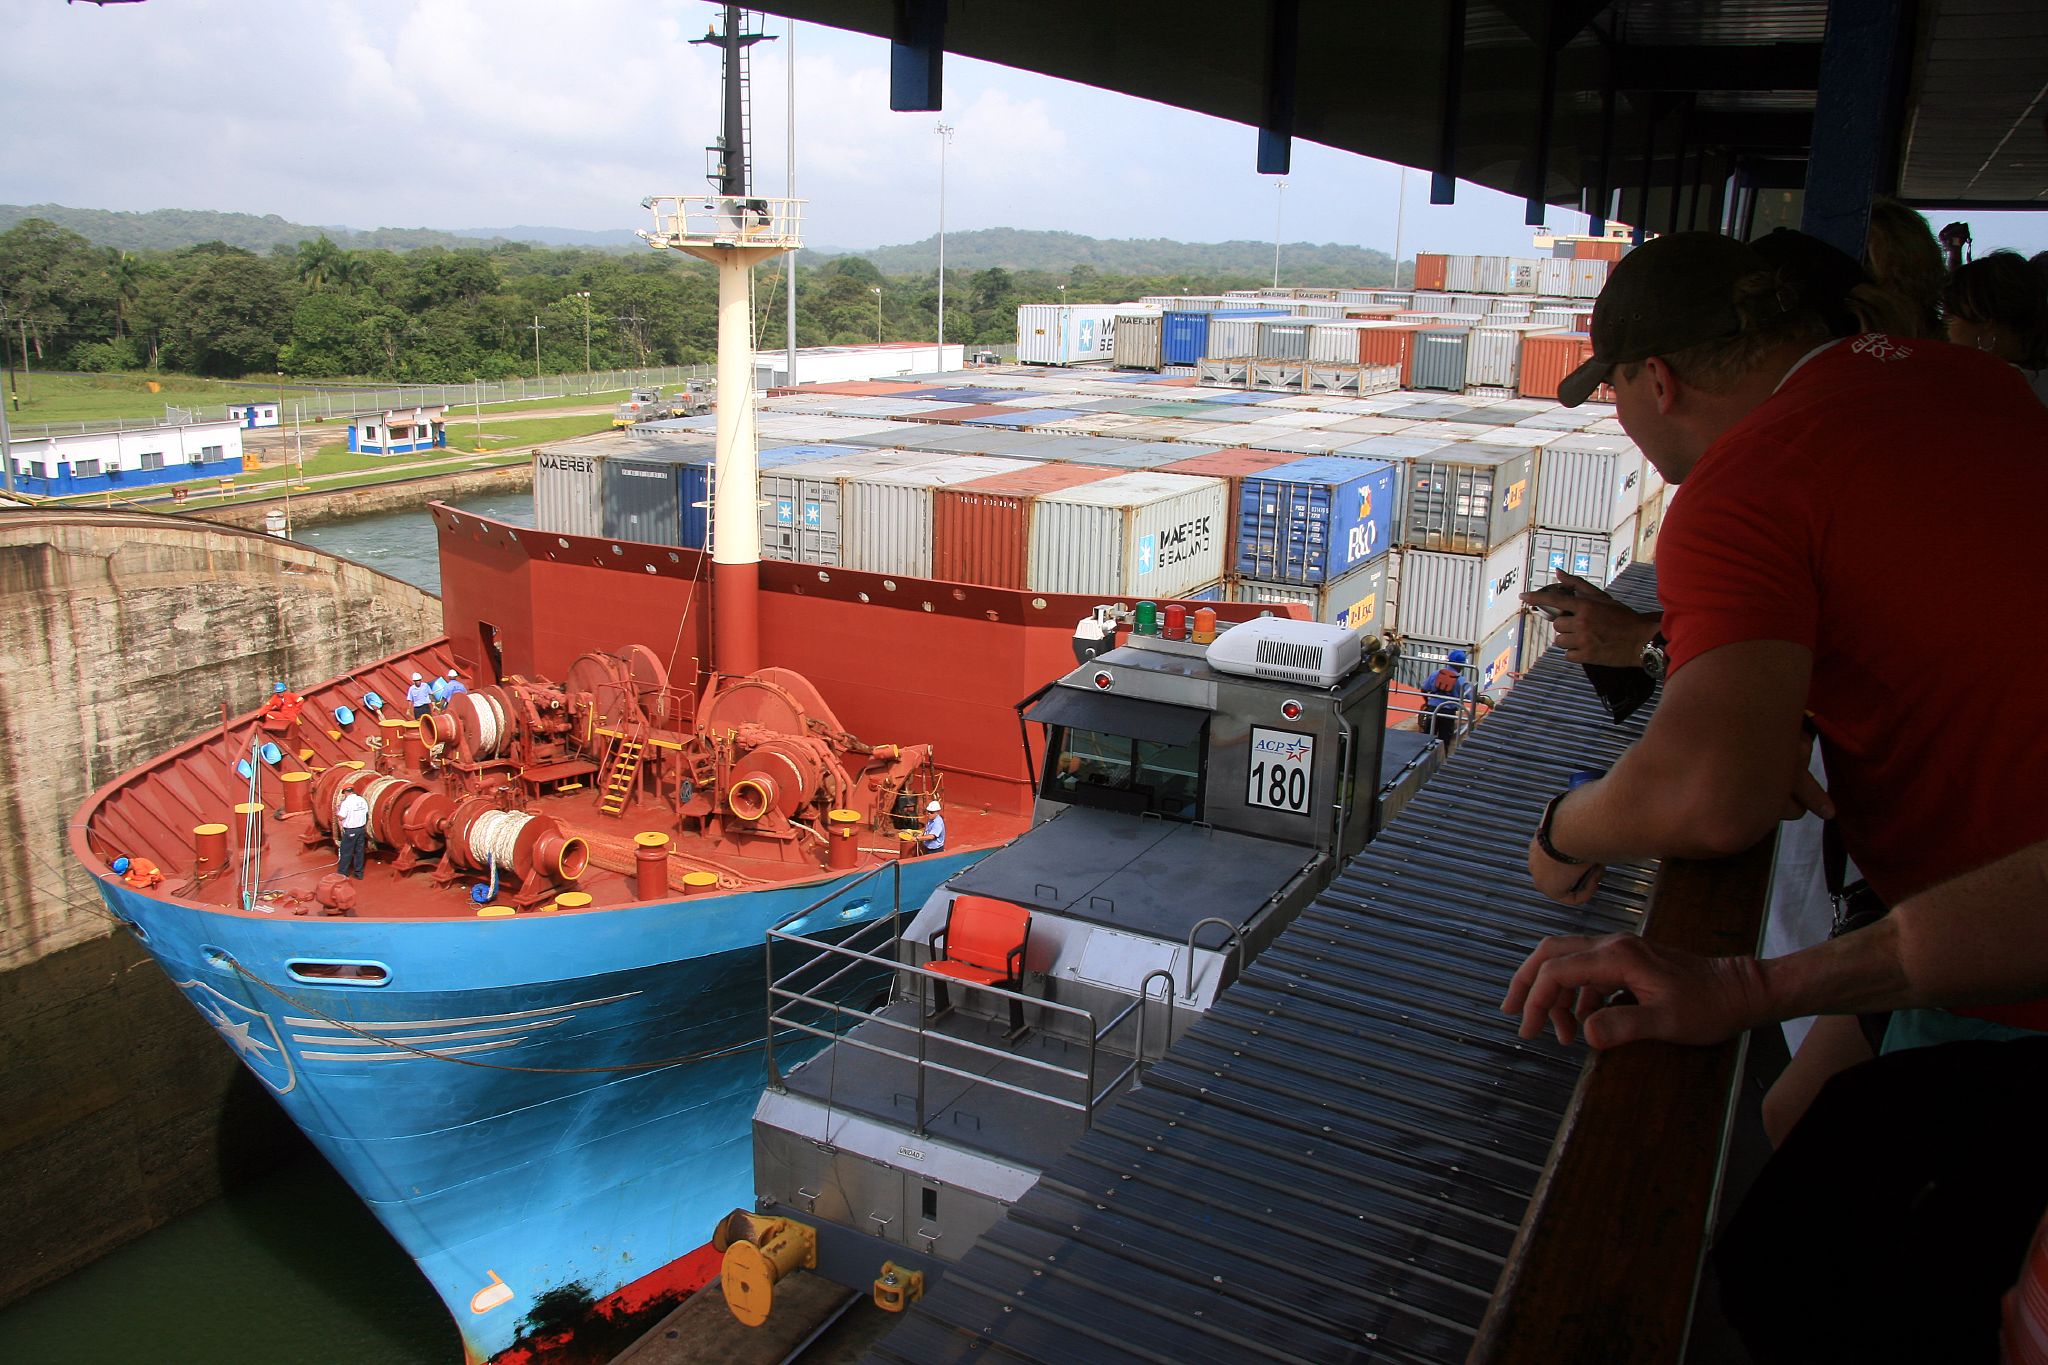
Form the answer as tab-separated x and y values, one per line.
1607	1260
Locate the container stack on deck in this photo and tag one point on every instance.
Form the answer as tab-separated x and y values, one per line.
1422	506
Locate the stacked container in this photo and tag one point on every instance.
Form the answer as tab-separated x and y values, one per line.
981	530
1136	344
1452	601
1232	465
800	513
1589	484
1314	520
1469	498
1144	534
1430	270
1439	359
1548	357
1494	356
885	517
1360	600
1065	333
659	498
1184	335
1282	339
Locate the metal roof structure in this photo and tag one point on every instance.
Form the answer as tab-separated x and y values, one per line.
1333	1163
1661	113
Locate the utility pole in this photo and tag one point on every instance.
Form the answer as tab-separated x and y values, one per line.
945	132
536	346
6	450
1279	201
789	261
1400	213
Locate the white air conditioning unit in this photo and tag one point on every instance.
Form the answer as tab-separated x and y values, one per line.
1313	653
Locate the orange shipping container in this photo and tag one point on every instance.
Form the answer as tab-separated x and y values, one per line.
981	530
1388	346
1609	251
1547	357
1429	269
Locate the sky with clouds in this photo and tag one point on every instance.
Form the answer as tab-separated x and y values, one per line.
495	113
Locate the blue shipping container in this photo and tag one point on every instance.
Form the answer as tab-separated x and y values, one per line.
1314	519
1184	337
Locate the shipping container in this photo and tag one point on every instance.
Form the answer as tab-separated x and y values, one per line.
1607	249
1147	533
1588	485
1554	276
1494	356
1548	357
1588	278
1184	335
1393	344
1468	498
1136	344
568	492
981	530
1649	522
800	503
1315	519
1231	465
1596	558
1461	598
1357	601
1282	339
885	517
1492	664
1065	333
1439	359
1232	337
660	498
1430	268
1462	274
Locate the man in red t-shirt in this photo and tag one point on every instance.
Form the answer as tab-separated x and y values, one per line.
1826	483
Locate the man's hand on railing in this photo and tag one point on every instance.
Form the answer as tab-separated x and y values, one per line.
1621	989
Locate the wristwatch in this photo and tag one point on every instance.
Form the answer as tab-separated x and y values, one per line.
1655	660
1550	850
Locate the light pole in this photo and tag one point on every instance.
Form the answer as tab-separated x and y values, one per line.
1400	213
1279	200
536	347
584	294
945	132
876	290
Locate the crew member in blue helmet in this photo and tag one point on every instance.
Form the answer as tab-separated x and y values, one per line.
1444	697
281	712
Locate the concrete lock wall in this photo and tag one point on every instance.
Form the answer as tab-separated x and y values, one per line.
124	634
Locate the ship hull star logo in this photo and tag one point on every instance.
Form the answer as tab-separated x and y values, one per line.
248	1031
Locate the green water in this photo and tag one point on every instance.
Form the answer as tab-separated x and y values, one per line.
289	1269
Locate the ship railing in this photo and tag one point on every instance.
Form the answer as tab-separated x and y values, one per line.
1416	672
724	220
802	1006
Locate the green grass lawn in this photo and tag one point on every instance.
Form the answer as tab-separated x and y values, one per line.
104	397
537	431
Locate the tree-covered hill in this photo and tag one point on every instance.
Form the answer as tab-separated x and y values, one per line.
1307	263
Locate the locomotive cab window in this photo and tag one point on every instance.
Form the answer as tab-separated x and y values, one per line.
1119	772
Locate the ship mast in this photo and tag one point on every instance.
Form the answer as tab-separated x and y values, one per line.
734	230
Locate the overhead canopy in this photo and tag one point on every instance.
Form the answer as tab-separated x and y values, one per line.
1153	721
1639	110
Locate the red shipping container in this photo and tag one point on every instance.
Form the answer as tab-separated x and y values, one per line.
981	530
1232	464
958	412
1599	251
1388	346
1429	269
1547	357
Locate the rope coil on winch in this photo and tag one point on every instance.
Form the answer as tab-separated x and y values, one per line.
494	835
489	725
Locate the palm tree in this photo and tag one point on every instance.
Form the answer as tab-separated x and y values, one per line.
319	262
124	271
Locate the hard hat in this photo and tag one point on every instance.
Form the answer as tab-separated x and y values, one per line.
120	865
276	689
416	678
932	809
1456	656
451	672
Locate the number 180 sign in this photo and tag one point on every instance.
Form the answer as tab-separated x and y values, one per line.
1282	765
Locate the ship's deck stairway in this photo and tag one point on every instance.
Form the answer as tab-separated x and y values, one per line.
1352	1156
621	776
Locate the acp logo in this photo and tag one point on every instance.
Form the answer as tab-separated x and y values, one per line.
1516	492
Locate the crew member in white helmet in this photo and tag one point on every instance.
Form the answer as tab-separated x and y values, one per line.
352	833
420	696
932	839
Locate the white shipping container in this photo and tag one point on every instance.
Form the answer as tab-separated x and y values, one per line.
885	518
1494	354
1147	533
1649	522
1492	276
1319	311
1587	484
1461	274
1360	600
1523	274
568	492
1653	480
1462	597
1335	342
1136	346
1554	276
1233	338
1588	279
800	503
1598	559
1065	334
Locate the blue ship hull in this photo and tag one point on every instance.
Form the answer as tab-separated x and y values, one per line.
506	1099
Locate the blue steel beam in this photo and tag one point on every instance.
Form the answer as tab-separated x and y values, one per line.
917	55
1276	131
1856	118
1443	182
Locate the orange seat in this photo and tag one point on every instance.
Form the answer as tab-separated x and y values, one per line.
982	944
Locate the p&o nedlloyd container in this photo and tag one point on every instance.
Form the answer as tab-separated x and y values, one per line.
1468	498
1146	533
885	517
1462	599
1588	484
1065	333
1314	520
1358	601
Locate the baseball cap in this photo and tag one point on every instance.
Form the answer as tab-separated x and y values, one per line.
933	808
1664	296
